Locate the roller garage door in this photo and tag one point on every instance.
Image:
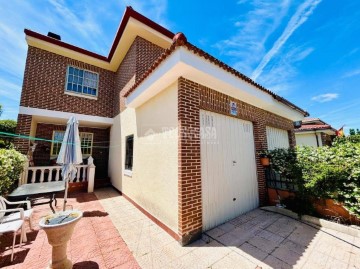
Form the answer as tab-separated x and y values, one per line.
228	168
277	138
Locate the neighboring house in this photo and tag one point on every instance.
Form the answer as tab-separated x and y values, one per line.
183	126
314	132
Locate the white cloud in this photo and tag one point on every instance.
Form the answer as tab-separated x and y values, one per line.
280	73
326	97
9	90
247	45
352	73
301	15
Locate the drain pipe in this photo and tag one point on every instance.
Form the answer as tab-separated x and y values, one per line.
317	139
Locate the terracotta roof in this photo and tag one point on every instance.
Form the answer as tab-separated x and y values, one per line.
129	12
180	40
314	127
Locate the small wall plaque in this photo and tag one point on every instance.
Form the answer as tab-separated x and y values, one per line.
233	108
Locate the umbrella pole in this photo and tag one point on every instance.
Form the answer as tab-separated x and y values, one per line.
66	193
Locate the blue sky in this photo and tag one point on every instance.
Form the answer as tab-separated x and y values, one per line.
306	51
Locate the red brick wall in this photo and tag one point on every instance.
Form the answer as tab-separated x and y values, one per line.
191	98
189	180
100	151
45	78
44	85
138	59
23	128
147	53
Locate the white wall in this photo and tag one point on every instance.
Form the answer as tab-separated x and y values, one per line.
115	157
154	180
307	139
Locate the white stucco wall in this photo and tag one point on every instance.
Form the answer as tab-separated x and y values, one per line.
154	181
115	157
307	139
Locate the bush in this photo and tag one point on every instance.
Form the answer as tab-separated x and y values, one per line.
11	166
7	126
325	172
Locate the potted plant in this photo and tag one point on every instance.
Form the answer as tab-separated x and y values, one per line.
264	157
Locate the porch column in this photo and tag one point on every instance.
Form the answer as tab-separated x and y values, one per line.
23	128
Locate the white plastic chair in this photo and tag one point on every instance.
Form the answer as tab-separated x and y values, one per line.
17	213
13	226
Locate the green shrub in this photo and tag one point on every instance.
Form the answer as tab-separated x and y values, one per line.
325	172
11	166
7	126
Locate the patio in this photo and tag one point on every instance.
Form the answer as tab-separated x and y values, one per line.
95	243
115	234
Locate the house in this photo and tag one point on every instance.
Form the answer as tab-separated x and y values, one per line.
182	127
315	133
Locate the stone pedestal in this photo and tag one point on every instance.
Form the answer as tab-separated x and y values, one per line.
58	236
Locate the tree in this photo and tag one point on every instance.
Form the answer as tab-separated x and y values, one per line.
354	132
1	109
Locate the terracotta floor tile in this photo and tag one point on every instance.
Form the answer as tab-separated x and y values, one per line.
117	258
94	235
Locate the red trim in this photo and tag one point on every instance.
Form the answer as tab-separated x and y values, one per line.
129	12
63	44
158	222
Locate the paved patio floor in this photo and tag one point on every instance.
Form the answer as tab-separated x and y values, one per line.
115	234
96	243
253	240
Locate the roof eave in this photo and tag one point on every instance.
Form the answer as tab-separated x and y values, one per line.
179	61
129	13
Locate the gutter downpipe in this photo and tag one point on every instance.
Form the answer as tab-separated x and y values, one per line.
317	139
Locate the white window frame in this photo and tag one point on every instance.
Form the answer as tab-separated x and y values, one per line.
52	155
85	95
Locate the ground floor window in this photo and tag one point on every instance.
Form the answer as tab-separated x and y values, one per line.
85	138
129	140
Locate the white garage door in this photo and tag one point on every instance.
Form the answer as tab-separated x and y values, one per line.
228	168
277	138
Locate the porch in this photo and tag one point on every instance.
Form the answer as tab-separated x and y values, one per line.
45	130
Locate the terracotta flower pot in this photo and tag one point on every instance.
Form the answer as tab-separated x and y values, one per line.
265	161
58	236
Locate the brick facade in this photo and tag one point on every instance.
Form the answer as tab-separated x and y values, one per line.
100	151
191	98
44	88
44	85
189	180
23	128
138	59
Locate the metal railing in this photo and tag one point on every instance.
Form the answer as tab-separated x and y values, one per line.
276	181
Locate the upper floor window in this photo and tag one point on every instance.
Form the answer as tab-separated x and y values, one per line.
85	138
82	81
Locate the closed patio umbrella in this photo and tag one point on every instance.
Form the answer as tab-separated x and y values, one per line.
70	154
